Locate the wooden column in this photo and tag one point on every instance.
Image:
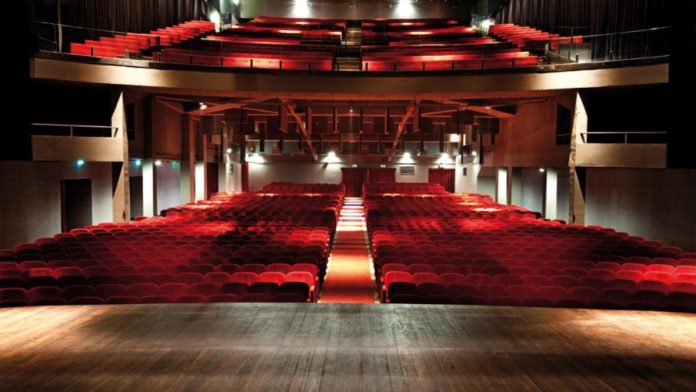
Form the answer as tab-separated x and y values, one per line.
192	157
120	176
576	178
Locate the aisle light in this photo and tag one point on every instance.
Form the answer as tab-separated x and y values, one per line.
331	157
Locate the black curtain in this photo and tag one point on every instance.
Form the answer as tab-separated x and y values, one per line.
131	15
590	16
444	177
353	180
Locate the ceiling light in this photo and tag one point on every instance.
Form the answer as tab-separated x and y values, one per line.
229	150
138	162
80	162
158	162
202	105
541	170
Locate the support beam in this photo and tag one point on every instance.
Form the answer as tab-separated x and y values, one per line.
149	187
192	157
409	112
438	113
303	130
576	179
490	111
551	193
261	111
215	109
283	114
121	184
487	110
176	107
516	186
501	185
203	194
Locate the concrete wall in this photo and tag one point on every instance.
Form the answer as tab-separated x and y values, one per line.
261	174
652	203
166	129
420	173
30	197
562	196
529	138
486	181
466	183
168	192
169	180
533	185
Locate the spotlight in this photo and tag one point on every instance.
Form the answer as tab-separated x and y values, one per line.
202	105
138	162
331	155
383	165
354	165
80	162
158	162
229	150
541	170
351	109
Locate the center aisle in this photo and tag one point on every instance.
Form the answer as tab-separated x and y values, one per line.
349	278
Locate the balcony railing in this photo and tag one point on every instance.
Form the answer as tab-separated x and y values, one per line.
635	137
72	130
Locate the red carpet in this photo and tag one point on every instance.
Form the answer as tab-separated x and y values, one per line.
349	278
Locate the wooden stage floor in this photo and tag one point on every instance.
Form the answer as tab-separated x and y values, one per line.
333	347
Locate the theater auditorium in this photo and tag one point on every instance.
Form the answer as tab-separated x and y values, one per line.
325	195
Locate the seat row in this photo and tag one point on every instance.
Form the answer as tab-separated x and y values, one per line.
149	293
120	45
420	251
204	244
552	296
530	38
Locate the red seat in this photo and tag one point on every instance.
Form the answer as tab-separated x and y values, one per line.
75	291
223	298
174	290
141	290
86	301
204	289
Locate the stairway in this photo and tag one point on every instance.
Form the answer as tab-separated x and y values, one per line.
348	55
353	36
349	277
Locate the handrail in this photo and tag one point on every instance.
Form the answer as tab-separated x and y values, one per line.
622	32
584	134
114	130
83	27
